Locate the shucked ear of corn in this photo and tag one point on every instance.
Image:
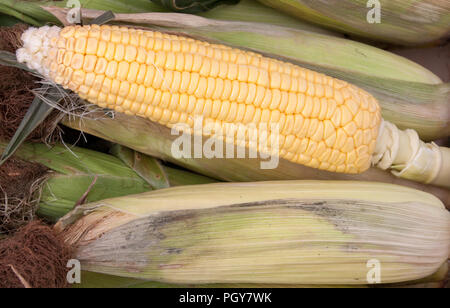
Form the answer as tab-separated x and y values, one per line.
283	232
400	21
410	95
309	118
78	172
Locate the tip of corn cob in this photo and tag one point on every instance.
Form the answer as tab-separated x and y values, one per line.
35	52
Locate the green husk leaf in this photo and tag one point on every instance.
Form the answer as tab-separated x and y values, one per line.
149	168
7	20
401	21
74	170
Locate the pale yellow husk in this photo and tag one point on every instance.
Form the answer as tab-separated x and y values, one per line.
286	232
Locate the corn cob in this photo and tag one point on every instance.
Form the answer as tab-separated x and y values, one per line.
287	232
321	122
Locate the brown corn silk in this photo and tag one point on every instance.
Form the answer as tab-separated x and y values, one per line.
34	257
19	185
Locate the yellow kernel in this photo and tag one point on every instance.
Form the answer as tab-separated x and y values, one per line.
275	80
331	140
98	82
232	71
235	85
263	78
119	53
197	63
201	88
116	36
110	51
242	73
141	74
307	110
341	138
91	46
107	85
243	92
316	107
133	71
67	32
185	80
80	45
78	77
89	79
253	74
346	115
211	83
285	82
89	63
111	69
67	58
77	61
348	146
336	118
124	89
251	93
81	31
115	86
205	68
193	82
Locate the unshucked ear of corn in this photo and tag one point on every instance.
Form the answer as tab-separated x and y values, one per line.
297	232
78	175
399	21
310	118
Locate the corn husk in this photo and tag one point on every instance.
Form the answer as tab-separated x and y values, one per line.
77	172
401	21
410	95
96	280
286	232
